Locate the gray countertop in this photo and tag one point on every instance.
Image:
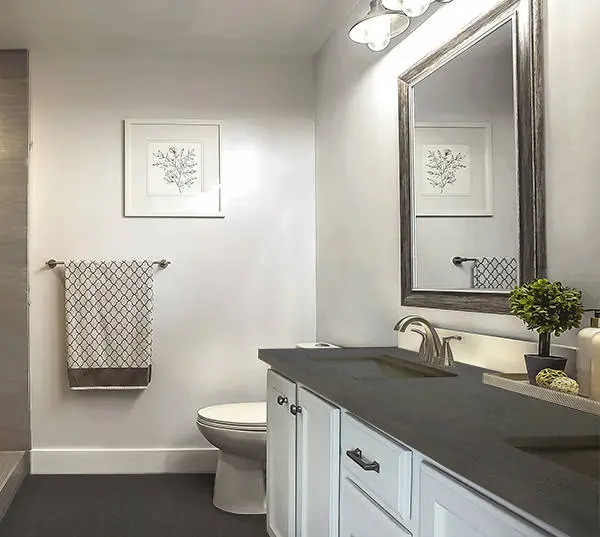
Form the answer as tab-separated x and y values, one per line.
466	427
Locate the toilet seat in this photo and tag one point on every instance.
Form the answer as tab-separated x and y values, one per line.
237	416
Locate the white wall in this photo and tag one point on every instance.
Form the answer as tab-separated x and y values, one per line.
475	87
234	284
357	173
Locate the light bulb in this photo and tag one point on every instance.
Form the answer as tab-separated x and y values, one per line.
379	33
415	8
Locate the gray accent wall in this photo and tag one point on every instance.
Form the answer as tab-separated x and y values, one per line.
14	356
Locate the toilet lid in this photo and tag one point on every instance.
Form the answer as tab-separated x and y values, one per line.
236	414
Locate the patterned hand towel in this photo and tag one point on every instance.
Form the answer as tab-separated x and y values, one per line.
500	273
108	310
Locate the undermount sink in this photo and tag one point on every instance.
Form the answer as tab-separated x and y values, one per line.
381	367
580	454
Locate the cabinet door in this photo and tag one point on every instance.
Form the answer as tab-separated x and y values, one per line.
281	457
450	509
318	465
361	517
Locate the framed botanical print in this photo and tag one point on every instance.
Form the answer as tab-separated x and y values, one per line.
172	169
453	169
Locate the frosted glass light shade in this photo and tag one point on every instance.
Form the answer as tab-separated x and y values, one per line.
412	8
379	33
372	29
394	5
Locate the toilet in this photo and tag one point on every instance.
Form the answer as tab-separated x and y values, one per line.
240	431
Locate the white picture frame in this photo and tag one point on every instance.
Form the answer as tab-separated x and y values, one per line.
453	170
172	169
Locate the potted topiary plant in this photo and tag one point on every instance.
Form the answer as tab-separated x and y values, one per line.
548	308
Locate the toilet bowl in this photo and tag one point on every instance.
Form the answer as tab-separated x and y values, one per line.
240	432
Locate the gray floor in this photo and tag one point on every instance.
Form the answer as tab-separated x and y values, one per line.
123	506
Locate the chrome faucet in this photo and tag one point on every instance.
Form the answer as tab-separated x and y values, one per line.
423	347
447	354
431	346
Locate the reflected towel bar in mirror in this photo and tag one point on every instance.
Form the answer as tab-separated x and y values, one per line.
53	263
458	261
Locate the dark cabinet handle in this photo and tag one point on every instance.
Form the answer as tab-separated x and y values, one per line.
356	456
295	409
281	400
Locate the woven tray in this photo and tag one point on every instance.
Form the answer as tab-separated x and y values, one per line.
517	382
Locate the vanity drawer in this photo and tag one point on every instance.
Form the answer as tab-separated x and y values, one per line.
361	516
381	467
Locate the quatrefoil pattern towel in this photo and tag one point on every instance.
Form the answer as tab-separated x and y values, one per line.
109	310
500	273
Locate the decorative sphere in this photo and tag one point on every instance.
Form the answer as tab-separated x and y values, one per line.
545	377
565	385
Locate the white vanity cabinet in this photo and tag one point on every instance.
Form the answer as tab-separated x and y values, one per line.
332	475
362	517
303	461
380	467
281	457
317	467
450	509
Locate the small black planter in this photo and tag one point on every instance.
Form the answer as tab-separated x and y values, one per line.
536	363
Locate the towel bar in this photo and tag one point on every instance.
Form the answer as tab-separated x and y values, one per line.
53	263
460	260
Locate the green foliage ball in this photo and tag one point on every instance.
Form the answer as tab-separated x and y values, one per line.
547	307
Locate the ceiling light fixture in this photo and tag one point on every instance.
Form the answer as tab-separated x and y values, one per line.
412	8
377	28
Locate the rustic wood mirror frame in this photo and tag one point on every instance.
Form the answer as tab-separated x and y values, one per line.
527	18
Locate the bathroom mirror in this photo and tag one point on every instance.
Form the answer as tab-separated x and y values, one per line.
471	164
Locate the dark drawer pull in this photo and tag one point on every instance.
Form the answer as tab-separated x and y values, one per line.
281	400
356	456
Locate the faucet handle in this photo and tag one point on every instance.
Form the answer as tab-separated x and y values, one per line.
447	357
424	347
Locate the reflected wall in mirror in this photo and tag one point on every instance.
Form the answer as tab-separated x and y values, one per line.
471	155
465	170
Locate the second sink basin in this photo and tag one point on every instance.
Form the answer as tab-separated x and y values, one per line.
580	454
381	367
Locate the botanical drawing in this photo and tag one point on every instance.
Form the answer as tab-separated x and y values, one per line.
178	165
442	167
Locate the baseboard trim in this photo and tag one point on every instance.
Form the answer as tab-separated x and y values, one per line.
124	461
